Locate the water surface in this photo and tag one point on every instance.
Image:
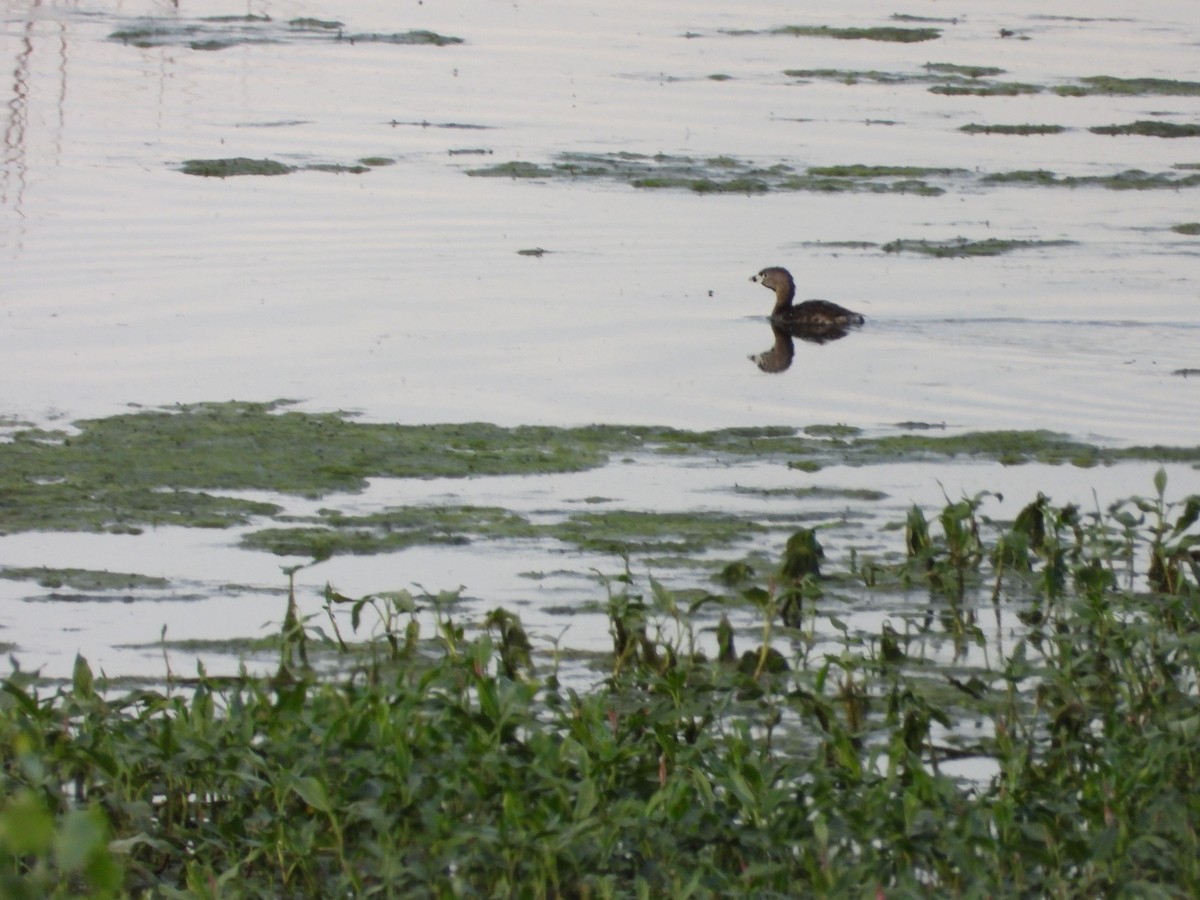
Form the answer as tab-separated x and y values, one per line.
401	293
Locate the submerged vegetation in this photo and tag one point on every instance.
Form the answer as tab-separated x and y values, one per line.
241	165
1012	129
887	33
964	247
1149	128
726	174
175	466
716	175
222	32
169	466
915	756
956	80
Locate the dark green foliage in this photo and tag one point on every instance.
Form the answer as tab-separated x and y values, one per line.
169	466
715	175
964	247
1110	85
888	33
238	165
986	89
1130	179
1012	129
449	769
1149	128
221	32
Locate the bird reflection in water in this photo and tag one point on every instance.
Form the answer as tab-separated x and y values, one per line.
778	357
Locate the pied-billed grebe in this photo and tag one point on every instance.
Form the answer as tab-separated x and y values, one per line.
811	314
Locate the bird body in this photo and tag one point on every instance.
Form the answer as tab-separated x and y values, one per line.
807	315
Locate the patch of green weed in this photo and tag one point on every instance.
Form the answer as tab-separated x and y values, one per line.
887	33
722	174
238	165
1128	180
988	89
311	24
958	247
390	530
82	579
1110	85
1149	128
964	70
407	37
1012	129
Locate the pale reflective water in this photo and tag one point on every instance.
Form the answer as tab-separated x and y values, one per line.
400	292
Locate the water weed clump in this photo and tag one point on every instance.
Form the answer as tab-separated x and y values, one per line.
1149	128
177	466
824	759
222	32
1025	130
241	165
887	33
964	247
715	175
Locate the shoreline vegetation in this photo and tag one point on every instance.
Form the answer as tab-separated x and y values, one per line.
1019	718
821	759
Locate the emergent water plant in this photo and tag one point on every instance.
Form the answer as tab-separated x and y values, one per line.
828	761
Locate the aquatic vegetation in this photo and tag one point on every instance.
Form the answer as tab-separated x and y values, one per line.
920	756
312	24
986	89
1012	129
851	76
722	174
338	168
238	165
1128	180
938	73
953	79
964	70
222	32
1110	85
168	466
1149	128
241	165
861	171
406	37
82	579
964	247
1190	228
612	531
389	530
887	33
725	174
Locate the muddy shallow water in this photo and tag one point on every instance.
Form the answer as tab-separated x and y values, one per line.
401	292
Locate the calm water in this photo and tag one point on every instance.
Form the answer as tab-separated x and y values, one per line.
400	293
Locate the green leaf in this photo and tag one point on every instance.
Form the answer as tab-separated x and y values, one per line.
26	826
82	679
313	793
82	835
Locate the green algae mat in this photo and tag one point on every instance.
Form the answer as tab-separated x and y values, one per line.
170	466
